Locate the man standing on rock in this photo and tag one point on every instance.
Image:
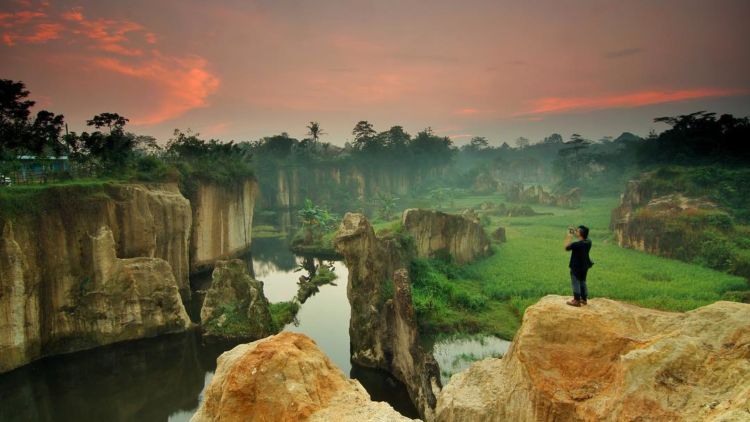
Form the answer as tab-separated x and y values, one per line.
579	263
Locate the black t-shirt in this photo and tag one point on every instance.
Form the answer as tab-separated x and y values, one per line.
579	258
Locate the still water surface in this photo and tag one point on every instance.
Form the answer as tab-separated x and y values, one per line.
163	378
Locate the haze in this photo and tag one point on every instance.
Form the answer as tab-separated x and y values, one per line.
243	70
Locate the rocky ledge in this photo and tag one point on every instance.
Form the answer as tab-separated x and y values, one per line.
286	378
611	361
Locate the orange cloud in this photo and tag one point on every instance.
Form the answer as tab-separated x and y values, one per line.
183	82
636	99
186	83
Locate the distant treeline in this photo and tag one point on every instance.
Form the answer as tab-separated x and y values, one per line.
109	150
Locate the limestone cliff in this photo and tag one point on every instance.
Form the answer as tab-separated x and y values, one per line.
383	330
434	231
663	224
235	306
92	299
626	363
286	378
288	187
222	222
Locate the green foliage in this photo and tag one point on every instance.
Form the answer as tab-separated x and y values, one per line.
386	205
314	221
283	313
490	295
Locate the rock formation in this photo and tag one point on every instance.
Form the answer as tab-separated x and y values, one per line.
106	300
235	306
45	252
286	378
663	224
222	222
499	235
535	194
625	363
383	329
435	232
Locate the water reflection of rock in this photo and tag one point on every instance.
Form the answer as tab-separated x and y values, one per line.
142	380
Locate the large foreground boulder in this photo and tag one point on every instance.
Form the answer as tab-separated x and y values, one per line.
611	361
235	306
435	232
286	378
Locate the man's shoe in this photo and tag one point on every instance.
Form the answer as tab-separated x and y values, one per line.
584	302
574	302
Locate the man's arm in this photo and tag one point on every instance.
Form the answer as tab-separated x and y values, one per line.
567	242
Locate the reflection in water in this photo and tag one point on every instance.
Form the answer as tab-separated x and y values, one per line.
162	378
145	380
456	354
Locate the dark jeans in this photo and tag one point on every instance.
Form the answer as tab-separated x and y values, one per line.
580	291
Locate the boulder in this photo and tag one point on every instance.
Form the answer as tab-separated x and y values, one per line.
383	327
624	363
286	378
436	232
663	224
499	235
235	305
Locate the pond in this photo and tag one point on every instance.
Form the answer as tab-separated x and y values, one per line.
162	379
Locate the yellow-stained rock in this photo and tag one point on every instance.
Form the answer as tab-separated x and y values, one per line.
286	378
611	361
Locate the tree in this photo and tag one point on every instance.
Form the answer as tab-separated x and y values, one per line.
17	132
386	204
477	144
113	121
522	142
555	138
314	220
315	131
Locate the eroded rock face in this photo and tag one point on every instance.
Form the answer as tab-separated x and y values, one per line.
383	329
664	224
112	300
435	232
47	261
286	378
535	194
624	363
222	222
235	305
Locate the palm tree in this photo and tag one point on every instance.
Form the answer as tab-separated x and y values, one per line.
315	131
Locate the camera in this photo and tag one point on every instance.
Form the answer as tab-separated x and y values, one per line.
571	230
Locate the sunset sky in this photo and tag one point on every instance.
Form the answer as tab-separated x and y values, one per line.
501	69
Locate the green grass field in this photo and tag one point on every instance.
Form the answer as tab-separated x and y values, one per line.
490	295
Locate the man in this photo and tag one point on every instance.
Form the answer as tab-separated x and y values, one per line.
579	263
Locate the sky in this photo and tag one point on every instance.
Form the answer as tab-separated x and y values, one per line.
241	70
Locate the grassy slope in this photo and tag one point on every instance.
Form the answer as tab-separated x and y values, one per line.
533	264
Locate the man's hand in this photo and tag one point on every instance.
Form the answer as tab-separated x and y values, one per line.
567	241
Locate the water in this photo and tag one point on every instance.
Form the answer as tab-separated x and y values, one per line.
455	354
162	379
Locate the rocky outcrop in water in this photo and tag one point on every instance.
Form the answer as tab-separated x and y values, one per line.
46	259
383	329
624	363
286	378
235	306
222	222
437	232
107	299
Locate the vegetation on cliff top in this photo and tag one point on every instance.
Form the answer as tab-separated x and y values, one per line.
491	294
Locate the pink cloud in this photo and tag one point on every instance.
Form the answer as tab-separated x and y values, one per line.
182	83
185	83
635	99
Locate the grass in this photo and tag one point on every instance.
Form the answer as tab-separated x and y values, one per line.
19	200
282	313
490	295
